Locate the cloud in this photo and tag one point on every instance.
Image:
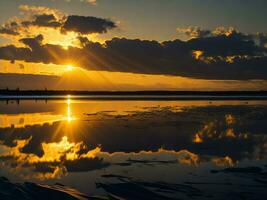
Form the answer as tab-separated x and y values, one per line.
87	25
79	24
92	2
222	45
34	18
43	20
30	17
37	10
7	31
33	42
234	56
198	32
219	54
194	32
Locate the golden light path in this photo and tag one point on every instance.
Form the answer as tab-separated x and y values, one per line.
39	118
69	114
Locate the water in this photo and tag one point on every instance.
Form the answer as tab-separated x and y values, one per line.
138	149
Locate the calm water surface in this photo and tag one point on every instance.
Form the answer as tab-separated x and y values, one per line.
138	149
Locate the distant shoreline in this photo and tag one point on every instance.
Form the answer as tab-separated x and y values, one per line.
133	95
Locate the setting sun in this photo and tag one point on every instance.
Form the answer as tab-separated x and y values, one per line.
69	67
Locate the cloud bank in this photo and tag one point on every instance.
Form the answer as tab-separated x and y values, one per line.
220	54
226	57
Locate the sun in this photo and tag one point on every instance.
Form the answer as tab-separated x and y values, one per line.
69	67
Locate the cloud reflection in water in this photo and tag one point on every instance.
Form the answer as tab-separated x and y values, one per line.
136	140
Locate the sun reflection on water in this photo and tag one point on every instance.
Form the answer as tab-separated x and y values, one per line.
70	118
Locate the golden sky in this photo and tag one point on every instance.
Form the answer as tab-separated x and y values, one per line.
58	49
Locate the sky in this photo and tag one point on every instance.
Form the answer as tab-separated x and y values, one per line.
133	45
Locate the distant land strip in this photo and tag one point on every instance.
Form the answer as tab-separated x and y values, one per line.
133	95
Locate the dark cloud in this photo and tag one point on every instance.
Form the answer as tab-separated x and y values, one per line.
233	56
87	25
13	53
9	28
222	45
8	31
43	20
33	43
80	24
